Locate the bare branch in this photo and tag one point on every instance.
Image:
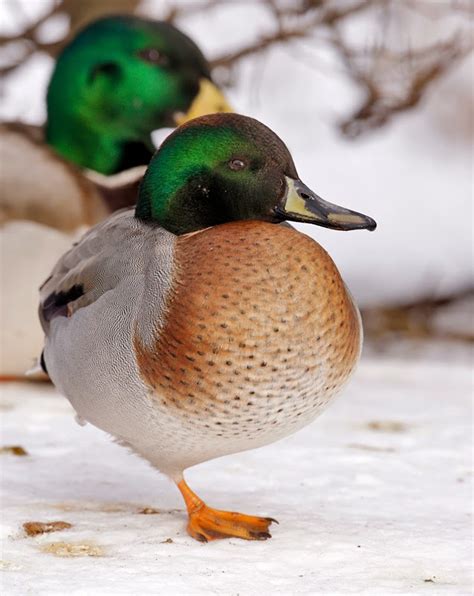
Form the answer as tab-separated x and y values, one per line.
29	33
79	13
327	17
382	102
416	320
185	10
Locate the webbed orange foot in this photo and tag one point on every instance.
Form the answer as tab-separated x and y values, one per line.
210	524
206	524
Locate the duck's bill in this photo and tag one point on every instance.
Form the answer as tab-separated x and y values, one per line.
302	204
209	100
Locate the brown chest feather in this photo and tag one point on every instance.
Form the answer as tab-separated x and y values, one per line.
258	314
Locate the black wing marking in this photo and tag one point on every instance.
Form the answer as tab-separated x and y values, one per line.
56	304
43	363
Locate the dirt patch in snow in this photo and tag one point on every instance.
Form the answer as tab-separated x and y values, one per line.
148	511
388	426
17	450
363	447
73	549
35	528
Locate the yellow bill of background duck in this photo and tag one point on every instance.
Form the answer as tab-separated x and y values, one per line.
209	100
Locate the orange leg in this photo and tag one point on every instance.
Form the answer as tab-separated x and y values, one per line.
207	524
23	379
9	378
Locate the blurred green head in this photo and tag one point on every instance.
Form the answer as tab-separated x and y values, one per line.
227	167
118	80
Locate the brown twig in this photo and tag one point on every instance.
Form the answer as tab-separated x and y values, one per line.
381	103
78	11
185	10
29	33
416	320
283	33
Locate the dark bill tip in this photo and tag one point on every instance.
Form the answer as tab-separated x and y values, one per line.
302	204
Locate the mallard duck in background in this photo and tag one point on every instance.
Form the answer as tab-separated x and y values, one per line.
118	80
188	338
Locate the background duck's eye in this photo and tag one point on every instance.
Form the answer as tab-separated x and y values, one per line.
153	56
236	164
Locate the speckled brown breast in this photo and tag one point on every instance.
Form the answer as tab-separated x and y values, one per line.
260	333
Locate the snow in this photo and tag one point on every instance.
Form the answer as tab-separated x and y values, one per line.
373	498
414	176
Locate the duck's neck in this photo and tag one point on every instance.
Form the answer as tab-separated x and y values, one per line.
189	208
95	151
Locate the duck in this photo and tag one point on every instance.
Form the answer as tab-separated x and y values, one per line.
118	80
194	326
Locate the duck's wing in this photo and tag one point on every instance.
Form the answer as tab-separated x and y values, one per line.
30	131
120	190
38	185
106	256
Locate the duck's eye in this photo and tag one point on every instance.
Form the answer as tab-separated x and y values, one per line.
237	164
153	56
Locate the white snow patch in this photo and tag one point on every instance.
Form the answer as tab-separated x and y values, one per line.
371	509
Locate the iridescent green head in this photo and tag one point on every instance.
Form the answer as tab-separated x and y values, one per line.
118	80
226	167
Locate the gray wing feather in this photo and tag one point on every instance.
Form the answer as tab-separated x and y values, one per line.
105	255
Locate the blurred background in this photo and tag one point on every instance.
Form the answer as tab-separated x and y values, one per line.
374	100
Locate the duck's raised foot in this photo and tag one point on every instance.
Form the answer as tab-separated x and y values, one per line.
211	524
206	524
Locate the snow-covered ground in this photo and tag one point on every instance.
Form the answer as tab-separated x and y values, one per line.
373	499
